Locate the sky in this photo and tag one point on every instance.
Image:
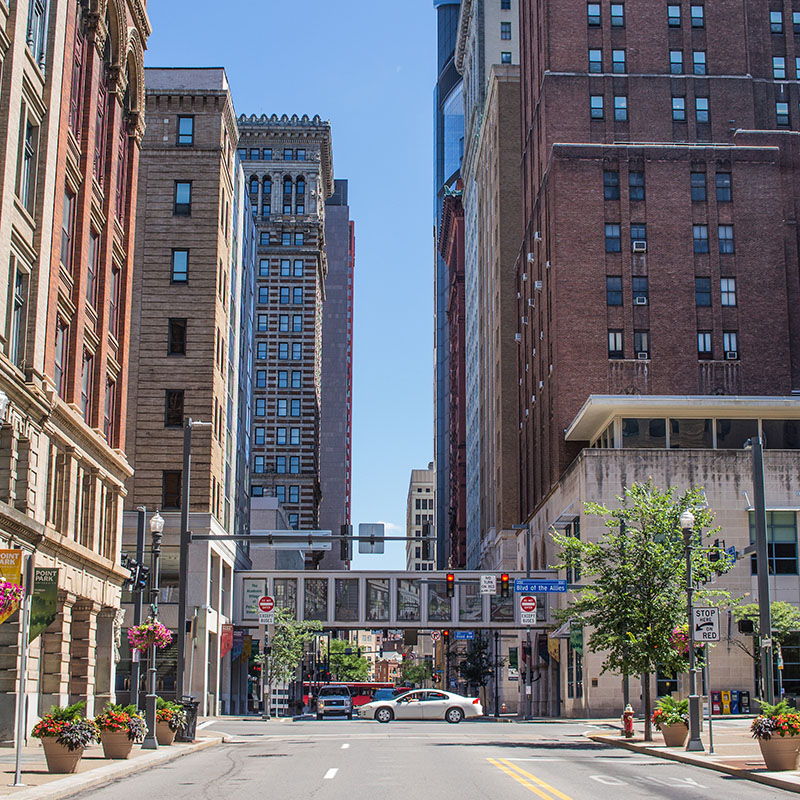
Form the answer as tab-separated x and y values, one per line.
369	66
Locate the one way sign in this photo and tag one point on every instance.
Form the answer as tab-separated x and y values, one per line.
706	624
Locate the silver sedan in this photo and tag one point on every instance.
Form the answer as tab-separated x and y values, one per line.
423	704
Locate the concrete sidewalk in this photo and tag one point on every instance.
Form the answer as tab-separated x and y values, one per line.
93	770
735	752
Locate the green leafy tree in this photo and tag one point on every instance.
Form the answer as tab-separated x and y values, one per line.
636	592
287	646
418	673
347	666
477	666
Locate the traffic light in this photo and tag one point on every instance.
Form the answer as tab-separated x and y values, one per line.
713	554
346	545
504	585
142	574
445	636
451	584
747	627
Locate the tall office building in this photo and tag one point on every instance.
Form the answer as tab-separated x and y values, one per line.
289	169
448	151
420	505
192	301
337	370
658	281
486	52
71	125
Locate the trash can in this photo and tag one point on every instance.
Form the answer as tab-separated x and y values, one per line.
190	706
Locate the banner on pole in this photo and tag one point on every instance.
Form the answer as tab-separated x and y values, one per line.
226	640
44	602
10	573
238	644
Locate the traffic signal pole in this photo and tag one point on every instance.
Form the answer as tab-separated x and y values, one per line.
529	659
137	604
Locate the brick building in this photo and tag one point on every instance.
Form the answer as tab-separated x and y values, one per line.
72	121
658	274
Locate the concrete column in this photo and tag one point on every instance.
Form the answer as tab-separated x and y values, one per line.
109	628
8	464
26	477
55	659
9	669
83	653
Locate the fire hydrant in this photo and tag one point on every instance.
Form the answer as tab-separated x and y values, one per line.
503	708
627	721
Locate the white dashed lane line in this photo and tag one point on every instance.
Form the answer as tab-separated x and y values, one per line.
331	773
345	746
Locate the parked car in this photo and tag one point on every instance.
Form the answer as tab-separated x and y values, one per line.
423	704
334	700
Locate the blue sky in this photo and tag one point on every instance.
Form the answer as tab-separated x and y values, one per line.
370	68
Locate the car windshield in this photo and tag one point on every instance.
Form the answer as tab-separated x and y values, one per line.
334	691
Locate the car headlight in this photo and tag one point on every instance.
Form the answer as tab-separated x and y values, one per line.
321	704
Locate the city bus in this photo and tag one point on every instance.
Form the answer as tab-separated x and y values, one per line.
360	691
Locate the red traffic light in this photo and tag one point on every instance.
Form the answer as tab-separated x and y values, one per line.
445	634
451	584
504	585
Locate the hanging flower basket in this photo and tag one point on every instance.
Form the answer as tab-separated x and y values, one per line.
10	595
143	637
679	639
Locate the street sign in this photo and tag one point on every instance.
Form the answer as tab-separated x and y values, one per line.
436	635
533	586
706	624
375	530
731	551
464	635
266	610
488	584
527	609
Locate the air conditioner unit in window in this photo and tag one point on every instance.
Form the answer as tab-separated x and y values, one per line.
541	384
531	302
731	355
640	301
524	320
642	356
519	296
517	337
537	285
537	237
524	276
639	246
531	258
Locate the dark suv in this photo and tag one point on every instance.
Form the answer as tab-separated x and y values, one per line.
334	700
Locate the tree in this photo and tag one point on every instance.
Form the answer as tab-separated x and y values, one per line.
637	595
347	666
416	672
476	667
286	648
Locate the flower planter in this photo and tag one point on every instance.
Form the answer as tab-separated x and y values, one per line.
780	752
675	735
165	736
59	757
116	744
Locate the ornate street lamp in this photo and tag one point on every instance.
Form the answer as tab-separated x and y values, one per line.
156	531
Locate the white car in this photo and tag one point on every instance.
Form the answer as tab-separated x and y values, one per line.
423	704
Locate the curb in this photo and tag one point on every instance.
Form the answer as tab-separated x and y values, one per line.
770	779
75	785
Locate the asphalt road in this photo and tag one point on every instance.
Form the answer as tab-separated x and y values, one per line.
340	760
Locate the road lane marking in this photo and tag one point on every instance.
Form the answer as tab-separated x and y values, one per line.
331	773
205	724
546	786
345	746
519	779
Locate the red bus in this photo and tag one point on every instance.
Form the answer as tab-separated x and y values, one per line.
361	691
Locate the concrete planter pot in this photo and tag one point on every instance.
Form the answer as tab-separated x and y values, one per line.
165	736
780	752
116	744
60	759
675	735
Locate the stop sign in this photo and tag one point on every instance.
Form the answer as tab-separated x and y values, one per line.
266	603
527	603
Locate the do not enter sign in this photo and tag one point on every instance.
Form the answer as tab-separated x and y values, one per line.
266	610
527	609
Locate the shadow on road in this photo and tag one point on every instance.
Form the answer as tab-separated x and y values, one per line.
592	747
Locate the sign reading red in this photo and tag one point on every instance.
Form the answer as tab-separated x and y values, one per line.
267	603
527	603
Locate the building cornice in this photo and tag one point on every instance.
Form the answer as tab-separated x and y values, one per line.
463	34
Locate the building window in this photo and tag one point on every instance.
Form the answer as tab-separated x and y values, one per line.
286	267
92	267
110	411
263	268
283	323
636	185
640	290
261	350
704	344
76	88
618	61
297	351
261	324
614	290
675	62
180	266
674	16
593	14
280	492
641	343
620	108
797	67
254	185
296	379
171	488
796	21
698	16
67	230
615	344
781	542
778	67
283	351
260	436
698	185
700	237
505	57
505	30
726	238
294	494
782	113
267	155
285	294
283	379
295	408
176	336
37	30
294	436
701	109
280	436
297	295
261	379
287	154
294	521
617	15
183	199
283	407
87	384
27	181
256	491
611	185
699	62
702	292
19	317
299	239
263	294
613	239
596	106
724	187
258	465
286	239
264	238
185	130
679	109
776	22
595	60
728	291
294	465
61	356
297	323
173	408
638	234
730	344
298	268
261	406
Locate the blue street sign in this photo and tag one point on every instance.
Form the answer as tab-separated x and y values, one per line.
465	634
533	586
731	551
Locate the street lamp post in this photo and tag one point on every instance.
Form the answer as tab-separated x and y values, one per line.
694	743
156	530
137	604
528	648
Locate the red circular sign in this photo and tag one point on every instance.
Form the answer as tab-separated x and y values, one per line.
527	603
266	603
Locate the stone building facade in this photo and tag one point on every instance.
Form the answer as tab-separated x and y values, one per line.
72	117
420	518
289	170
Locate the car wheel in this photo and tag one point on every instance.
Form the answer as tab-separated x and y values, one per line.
350	715
454	715
319	716
384	715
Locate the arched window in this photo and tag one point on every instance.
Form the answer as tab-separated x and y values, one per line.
287	194
78	60
287	185
122	155
267	184
102	114
254	184
301	185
